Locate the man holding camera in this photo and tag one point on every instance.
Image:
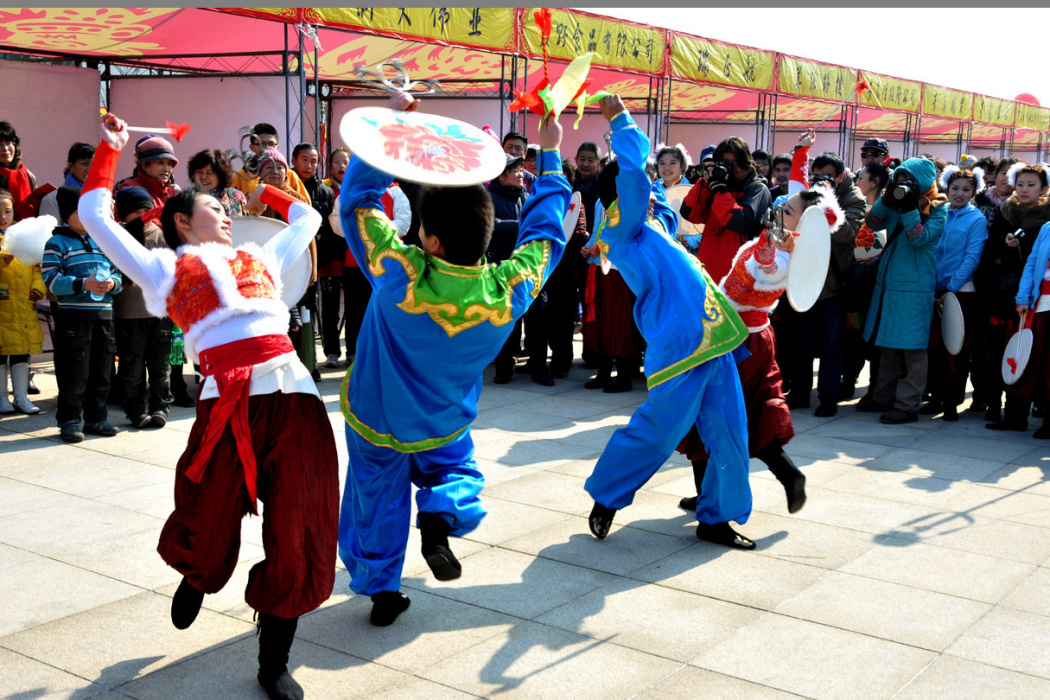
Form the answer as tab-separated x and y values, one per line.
732	204
822	329
913	213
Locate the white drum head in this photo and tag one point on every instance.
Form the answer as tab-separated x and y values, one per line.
259	230
675	197
953	326
808	265
26	239
1015	359
424	148
572	214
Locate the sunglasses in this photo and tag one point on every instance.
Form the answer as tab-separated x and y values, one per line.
870	154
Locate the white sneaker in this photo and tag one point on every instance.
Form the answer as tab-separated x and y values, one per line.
332	362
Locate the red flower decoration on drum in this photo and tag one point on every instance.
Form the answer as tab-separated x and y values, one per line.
430	148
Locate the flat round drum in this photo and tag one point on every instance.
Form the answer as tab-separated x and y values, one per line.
1015	358
259	230
423	148
808	265
953	327
675	197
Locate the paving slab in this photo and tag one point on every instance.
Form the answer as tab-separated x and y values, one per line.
961	679
1010	639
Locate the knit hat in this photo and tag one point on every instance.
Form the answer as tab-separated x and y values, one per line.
271	154
131	199
152	147
68	197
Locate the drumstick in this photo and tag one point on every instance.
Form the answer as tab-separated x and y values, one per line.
176	130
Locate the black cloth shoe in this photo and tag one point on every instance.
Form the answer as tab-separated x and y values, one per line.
543	378
386	606
601	520
185	605
688	504
724	535
276	635
434	531
897	417
1043	433
103	428
559	372
847	390
994	414
1015	416
1016	426
184	401
797	400
872	406
502	378
931	409
71	432
619	385
977	406
1038	410
598	382
951	414
826	409
139	422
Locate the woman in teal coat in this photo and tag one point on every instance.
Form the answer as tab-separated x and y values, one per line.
913	213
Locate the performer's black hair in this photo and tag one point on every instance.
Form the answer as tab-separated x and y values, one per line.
461	218
607	184
181	203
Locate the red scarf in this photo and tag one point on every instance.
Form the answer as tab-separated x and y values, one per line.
20	186
231	365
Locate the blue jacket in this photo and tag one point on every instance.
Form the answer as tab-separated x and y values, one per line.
432	327
681	314
902	303
959	250
69	259
1034	268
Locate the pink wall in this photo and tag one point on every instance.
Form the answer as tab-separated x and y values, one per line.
50	107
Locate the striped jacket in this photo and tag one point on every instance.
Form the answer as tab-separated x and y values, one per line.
69	259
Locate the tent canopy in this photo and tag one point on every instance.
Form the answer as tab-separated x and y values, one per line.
486	51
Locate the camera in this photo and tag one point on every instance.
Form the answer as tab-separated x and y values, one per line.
825	179
904	189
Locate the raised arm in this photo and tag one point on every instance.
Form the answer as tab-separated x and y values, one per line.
150	269
632	184
303	224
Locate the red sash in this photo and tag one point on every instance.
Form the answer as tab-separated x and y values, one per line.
231	365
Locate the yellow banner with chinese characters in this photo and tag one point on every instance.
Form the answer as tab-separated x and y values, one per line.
618	44
1033	117
484	27
991	110
812	79
724	64
891	94
943	102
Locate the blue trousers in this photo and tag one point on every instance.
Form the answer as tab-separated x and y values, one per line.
708	395
375	518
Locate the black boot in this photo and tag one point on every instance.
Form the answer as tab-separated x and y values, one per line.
788	474
434	531
723	534
387	605
688	504
622	383
600	520
275	641
1043	433
1015	416
185	605
601	380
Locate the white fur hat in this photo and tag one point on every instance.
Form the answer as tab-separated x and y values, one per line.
1016	168
829	204
947	173
680	148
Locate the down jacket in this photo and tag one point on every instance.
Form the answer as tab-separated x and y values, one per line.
902	304
20	332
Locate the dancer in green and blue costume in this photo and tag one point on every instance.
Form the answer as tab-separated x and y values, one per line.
438	317
692	333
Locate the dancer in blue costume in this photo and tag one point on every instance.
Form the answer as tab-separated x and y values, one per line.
437	318
691	331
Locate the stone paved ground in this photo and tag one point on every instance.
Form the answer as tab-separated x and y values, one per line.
920	568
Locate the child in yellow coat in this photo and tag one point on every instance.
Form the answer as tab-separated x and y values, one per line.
20	334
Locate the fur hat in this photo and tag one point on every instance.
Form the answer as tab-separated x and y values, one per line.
947	173
152	147
681	151
829	204
1016	168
